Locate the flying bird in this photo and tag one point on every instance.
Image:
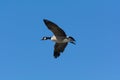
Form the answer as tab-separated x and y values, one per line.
60	38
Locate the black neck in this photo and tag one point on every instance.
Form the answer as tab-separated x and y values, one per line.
48	37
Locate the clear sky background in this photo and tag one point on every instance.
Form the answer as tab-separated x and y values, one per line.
95	24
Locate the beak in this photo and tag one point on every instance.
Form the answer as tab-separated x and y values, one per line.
42	39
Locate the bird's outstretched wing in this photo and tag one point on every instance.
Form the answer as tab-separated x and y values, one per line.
54	28
59	47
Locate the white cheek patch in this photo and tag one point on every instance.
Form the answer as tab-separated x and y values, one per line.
44	38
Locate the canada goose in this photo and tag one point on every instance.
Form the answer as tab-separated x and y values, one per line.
59	37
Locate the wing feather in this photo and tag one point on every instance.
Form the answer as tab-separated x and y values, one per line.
54	28
59	47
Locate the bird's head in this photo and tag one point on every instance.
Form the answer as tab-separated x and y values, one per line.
45	38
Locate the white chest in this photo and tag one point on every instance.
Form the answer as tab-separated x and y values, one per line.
53	38
59	39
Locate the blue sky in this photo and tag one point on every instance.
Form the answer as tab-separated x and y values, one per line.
94	24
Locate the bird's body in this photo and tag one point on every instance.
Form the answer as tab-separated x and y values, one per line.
59	37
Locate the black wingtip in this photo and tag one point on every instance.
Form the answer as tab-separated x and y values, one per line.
56	55
45	20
